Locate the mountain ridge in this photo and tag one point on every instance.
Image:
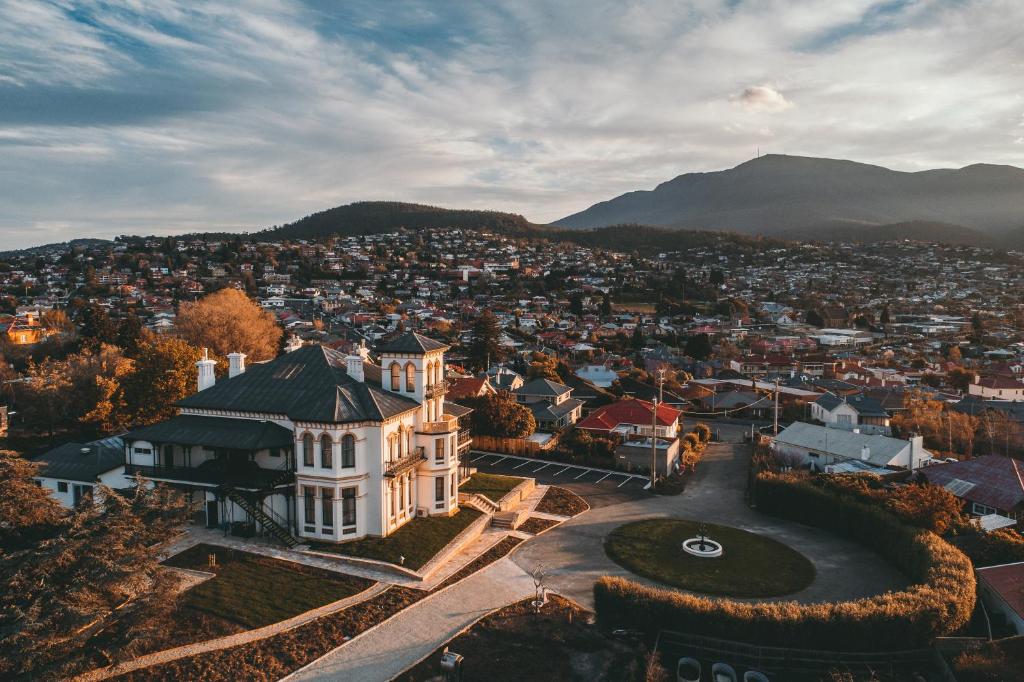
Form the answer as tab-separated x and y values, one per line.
778	194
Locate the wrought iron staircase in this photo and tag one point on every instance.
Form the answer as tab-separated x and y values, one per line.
271	525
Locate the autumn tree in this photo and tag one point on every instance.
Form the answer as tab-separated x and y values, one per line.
165	372
943	428
228	321
543	366
501	416
84	584
485	348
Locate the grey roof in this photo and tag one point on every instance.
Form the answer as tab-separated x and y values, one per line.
411	342
544	411
544	387
455	409
863	405
67	462
216	432
842	443
308	384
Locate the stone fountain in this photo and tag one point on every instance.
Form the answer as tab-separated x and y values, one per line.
702	546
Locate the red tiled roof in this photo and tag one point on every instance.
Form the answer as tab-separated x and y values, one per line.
1008	582
631	411
466	387
999	382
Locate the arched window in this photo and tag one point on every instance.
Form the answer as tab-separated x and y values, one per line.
410	377
348	451
409	437
438	373
396	377
391	448
307	450
326	446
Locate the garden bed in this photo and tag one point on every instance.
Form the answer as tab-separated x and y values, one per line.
492	486
275	657
515	643
562	502
417	541
752	565
536	525
248	587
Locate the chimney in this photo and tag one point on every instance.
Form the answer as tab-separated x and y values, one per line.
354	367
236	364
294	343
865	453
206	376
363	351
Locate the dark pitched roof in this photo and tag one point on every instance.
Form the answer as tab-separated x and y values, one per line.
996	481
865	406
216	432
308	384
411	342
67	461
544	387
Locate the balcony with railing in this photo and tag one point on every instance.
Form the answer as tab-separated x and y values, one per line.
446	423
436	390
403	464
465	439
215	473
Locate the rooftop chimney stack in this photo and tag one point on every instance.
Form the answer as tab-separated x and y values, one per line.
236	364
354	367
865	453
206	367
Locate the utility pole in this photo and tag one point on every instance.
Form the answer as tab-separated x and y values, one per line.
654	444
661	385
776	429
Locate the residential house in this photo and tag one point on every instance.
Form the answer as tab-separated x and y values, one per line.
72	470
849	412
552	404
821	447
997	388
991	484
1002	589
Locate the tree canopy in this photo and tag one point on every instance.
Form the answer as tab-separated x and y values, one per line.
228	321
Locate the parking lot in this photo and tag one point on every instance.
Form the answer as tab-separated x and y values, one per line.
599	487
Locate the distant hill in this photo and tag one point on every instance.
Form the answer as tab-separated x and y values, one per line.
372	217
85	242
826	198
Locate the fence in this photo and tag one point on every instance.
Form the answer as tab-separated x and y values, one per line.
512	446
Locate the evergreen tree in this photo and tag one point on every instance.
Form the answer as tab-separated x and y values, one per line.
698	346
96	327
606	305
484	349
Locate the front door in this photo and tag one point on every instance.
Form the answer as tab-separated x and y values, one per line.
212	516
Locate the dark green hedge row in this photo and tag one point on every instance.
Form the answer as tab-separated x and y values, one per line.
939	602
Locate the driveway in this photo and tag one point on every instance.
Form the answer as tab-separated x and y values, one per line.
575	558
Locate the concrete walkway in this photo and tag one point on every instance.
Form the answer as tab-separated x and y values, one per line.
399	643
574	551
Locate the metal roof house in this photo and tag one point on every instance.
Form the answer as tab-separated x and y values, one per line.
70	471
821	447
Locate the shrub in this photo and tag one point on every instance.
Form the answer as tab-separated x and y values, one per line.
1003	546
940	602
703	432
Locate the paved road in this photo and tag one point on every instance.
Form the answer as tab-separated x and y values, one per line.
574	552
401	642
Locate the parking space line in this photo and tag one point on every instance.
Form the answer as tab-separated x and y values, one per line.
626	481
543	467
479	457
562	471
603	477
500	459
585	472
522	465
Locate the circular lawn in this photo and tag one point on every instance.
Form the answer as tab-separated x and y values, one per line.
751	565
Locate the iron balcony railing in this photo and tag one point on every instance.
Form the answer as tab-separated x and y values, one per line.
465	439
403	464
445	424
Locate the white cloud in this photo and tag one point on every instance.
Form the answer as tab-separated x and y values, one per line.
165	115
762	98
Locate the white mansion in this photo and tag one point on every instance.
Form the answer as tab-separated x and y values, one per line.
314	444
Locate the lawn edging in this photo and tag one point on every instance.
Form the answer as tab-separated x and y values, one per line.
226	642
465	536
365	562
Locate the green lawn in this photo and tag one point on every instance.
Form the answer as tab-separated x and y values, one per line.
254	590
491	486
418	541
751	566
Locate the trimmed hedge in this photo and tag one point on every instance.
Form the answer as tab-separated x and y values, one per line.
940	602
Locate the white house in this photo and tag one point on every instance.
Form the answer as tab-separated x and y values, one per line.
997	387
314	444
821	447
72	470
849	412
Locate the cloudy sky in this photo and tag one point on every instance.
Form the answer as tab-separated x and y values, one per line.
158	116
